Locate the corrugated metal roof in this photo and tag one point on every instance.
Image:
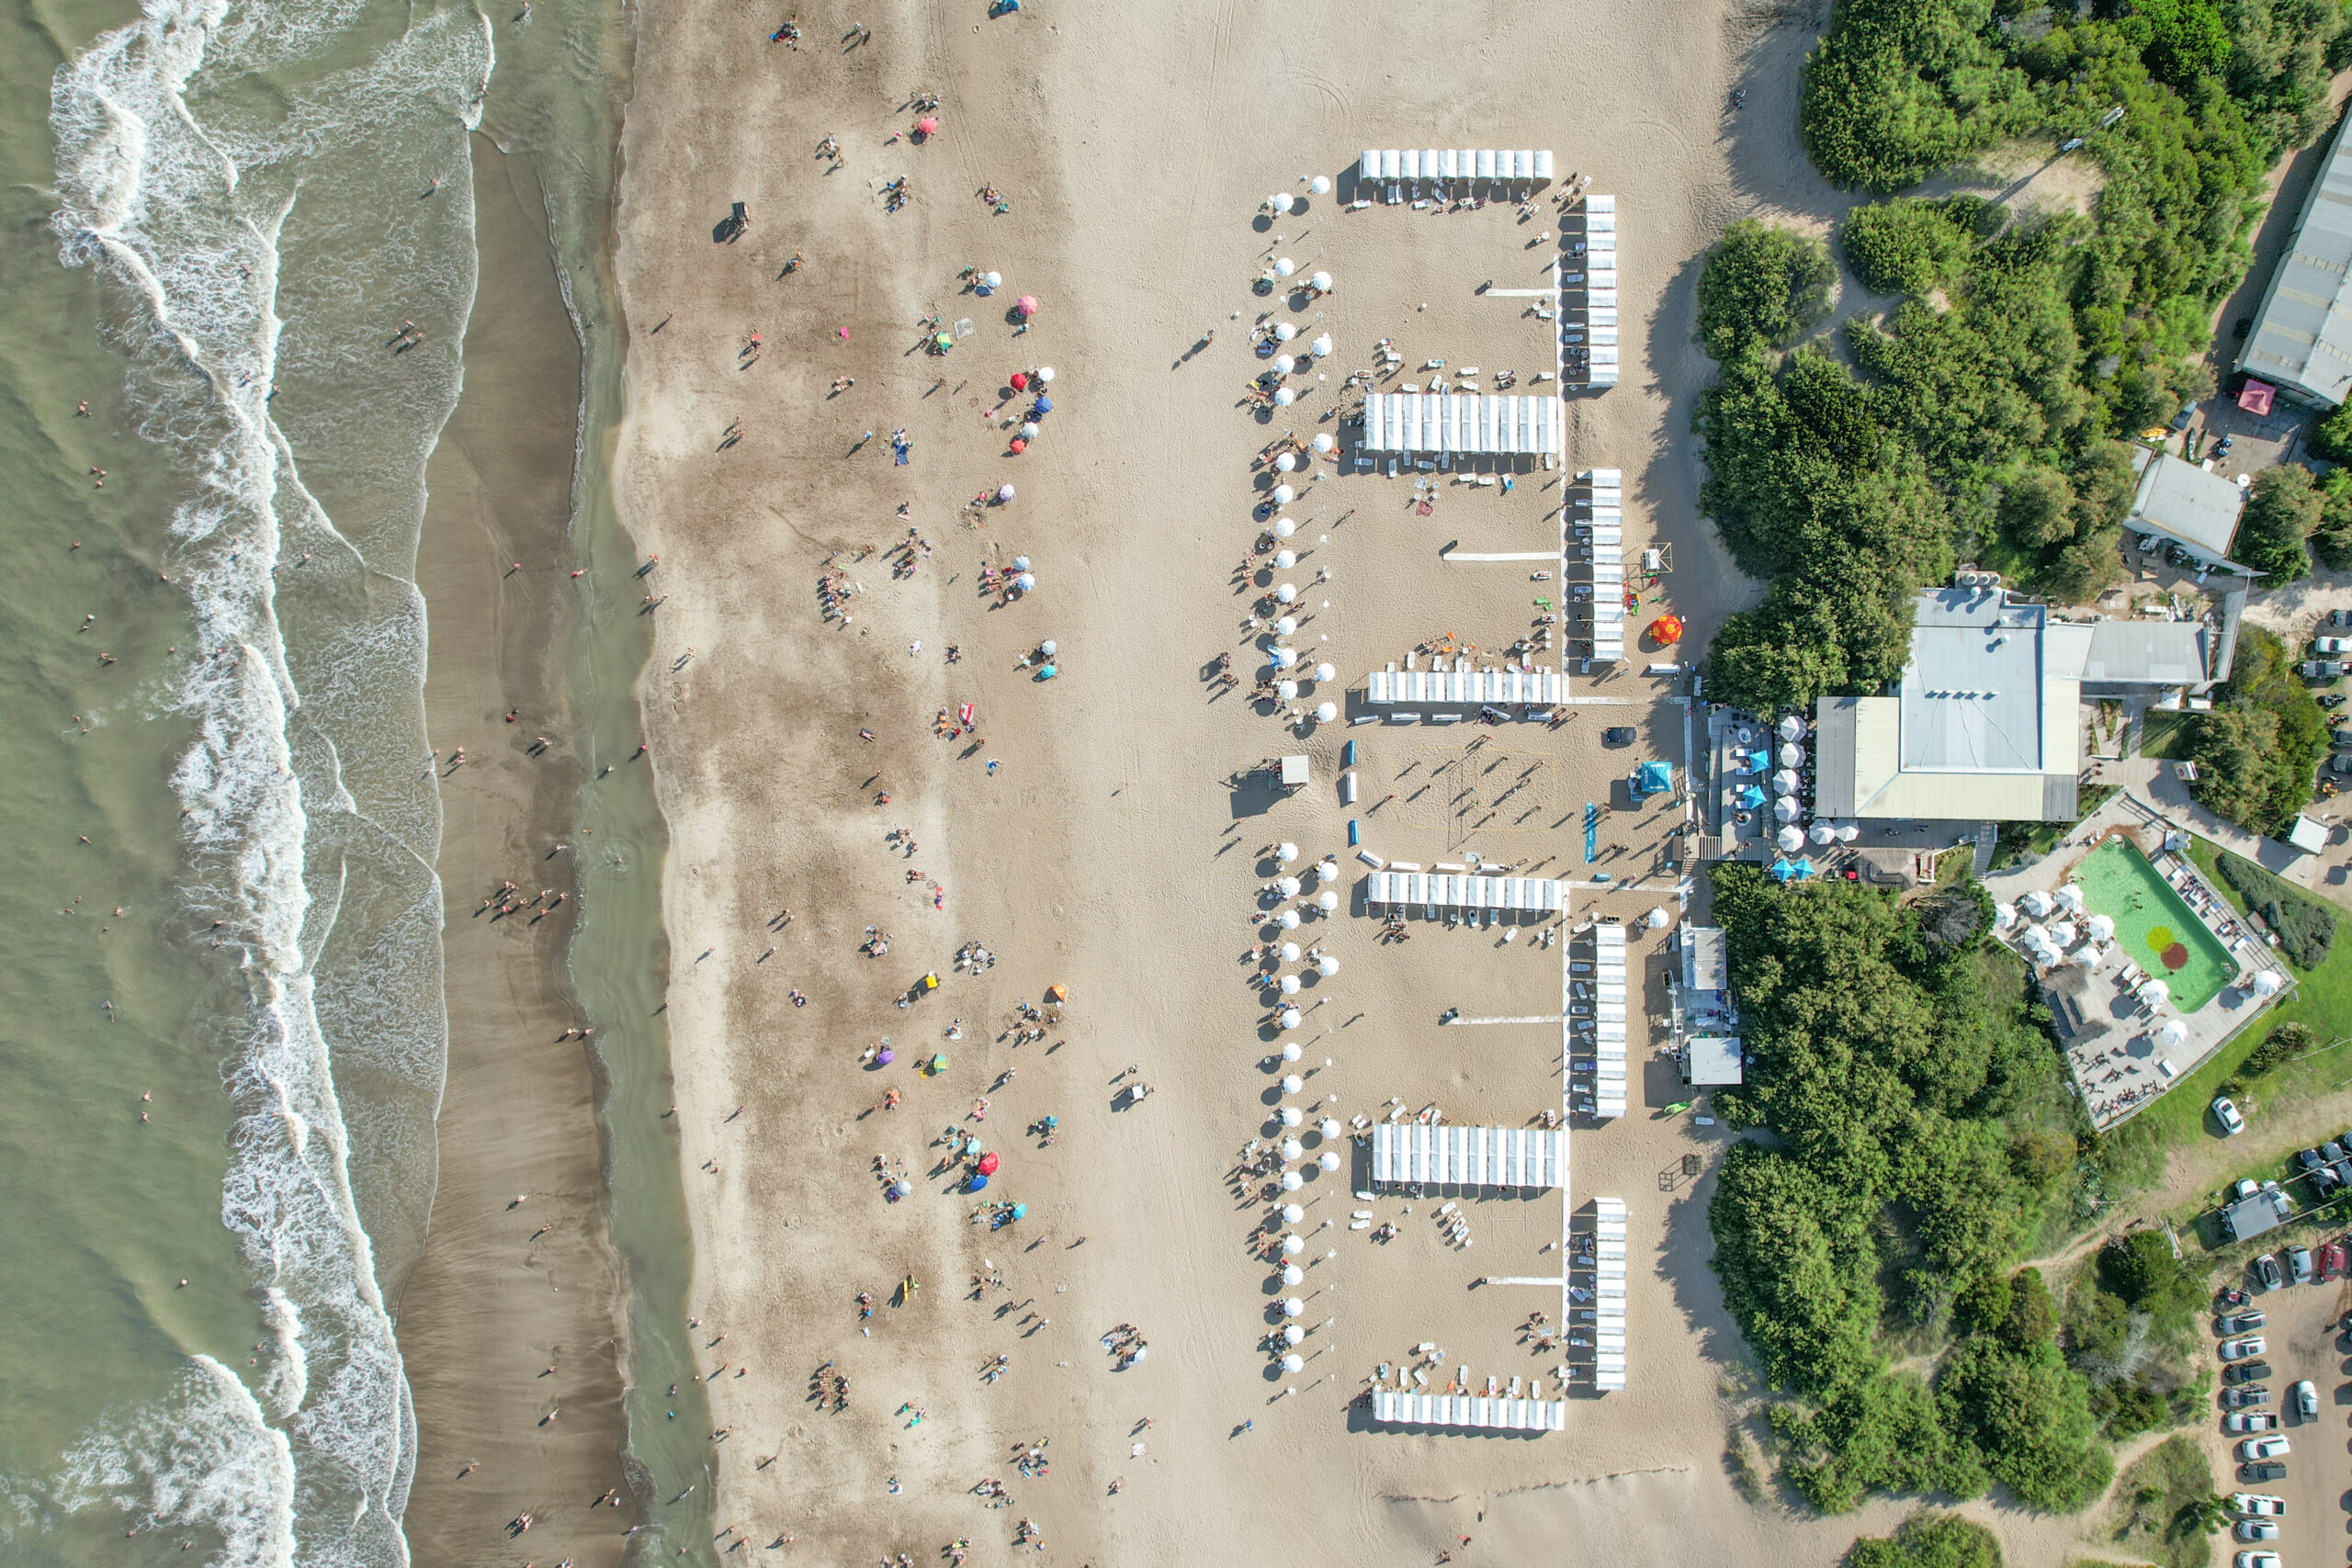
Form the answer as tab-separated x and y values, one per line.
1833	755
1972	694
2198	508
2163	653
2301	337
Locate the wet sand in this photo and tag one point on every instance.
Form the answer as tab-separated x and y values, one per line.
506	1288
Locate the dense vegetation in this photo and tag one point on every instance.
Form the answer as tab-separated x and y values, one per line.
2258	751
1918	1133
2282	510
2304	924
1984	417
2130	1325
2283	1044
1929	1541
1766	284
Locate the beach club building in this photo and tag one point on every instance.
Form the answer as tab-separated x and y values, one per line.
2188	505
1986	724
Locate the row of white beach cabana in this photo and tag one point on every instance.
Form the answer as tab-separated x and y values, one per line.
1608	1293
1403	888
1419	1154
1461	686
1602	497
1463	423
1468	1410
1598	265
1464	166
1607	1024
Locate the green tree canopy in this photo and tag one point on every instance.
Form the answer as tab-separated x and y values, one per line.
1762	284
2280	513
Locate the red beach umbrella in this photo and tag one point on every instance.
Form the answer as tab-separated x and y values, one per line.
987	1163
1021	380
1018	447
927	126
1026	304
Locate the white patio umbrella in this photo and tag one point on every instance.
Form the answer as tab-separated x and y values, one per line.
1329	868
1289	950
1328	1127
2004	915
1327	966
1285	332
1821	834
1284	267
1791	839
1322	441
1282	658
2265	982
2037	902
1284	365
2173	1032
1284	397
1283	495
2155	993
1292	1246
1292	1333
1292	1274
1786	782
1291	1149
2101	928
1320	347
1290	1051
1286	690
1292	1181
1290	1018
1655	919
1327	901
1786	808
1792	727
1847	832
1293	1364
1328	1160
1285	851
1293	1306
1289	922
1792	755
1286	463
1293	1214
1290	985
2071	896
1325	712
1285	559
1327	671
1288	887
1284	527
2062	934
1320	185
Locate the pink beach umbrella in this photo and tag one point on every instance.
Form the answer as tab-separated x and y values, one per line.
927	126
1026	304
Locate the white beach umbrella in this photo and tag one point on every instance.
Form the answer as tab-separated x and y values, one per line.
1320	347
1847	832
1320	185
1284	365
1290	1051
1285	851
1792	727
1004	492
1791	839
1328	1127
1321	282
1284	397
1284	527
1292	1181
1786	782
1325	712
1292	1246
1823	833
1289	985
1292	1274
1326	900
1330	869
1285	332
1029	430
1327	966
1792	755
1288	625
1286	690
2004	915
1292	1082
2101	928
1292	1362
1285	593
1284	267
1322	441
1289	887
1655	919
1327	671
2155	993
1026	581
1285	559
1289	922
1292	1333
2071	896
2037	902
1283	495
993	280
1328	1160
1786	808
1293	1214
1279	201
1292	1305
1290	1018
1286	463
2173	1032
1289	950
2265	983
1283	658
1291	1149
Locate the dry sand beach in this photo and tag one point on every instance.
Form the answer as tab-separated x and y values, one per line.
1087	829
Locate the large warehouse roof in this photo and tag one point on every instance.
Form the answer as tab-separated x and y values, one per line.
2301	337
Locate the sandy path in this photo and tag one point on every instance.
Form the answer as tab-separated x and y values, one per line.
1108	854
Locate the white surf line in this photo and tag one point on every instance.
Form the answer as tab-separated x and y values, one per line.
1518	1017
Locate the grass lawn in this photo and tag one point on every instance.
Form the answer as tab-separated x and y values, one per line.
2322	998
2149	1502
2163	732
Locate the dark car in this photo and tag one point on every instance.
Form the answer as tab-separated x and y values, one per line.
2247	1397
2246	1371
1623	735
2268	1469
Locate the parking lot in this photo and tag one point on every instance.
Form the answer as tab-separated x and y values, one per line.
2304	1337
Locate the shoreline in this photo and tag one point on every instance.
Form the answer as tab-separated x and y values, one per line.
495	1298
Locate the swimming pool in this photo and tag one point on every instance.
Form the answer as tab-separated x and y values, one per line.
2154	928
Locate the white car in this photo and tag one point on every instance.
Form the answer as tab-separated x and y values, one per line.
2307	1400
2226	1114
2258	1560
2257	1529
2262	1447
2249	1421
2257	1503
2244	1349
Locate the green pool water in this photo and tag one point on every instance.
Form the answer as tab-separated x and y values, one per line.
2154	928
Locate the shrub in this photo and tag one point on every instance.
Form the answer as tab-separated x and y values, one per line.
2279	516
2331	540
1929	1541
1905	246
2280	1046
1762	284
2257	751
1900	89
2306	925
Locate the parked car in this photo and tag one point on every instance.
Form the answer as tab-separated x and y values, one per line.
2257	1529
2244	1396
2268	1469
1621	734
2312	1164
2307	1400
2258	1559
2241	1323
2299	1264
2321	668
2246	1371
2275	1447
2251	1421
2244	1350
2332	643
2339	618
2267	1273
2243	1188
2340	762
2257	1503
2231	1121
2335	1261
